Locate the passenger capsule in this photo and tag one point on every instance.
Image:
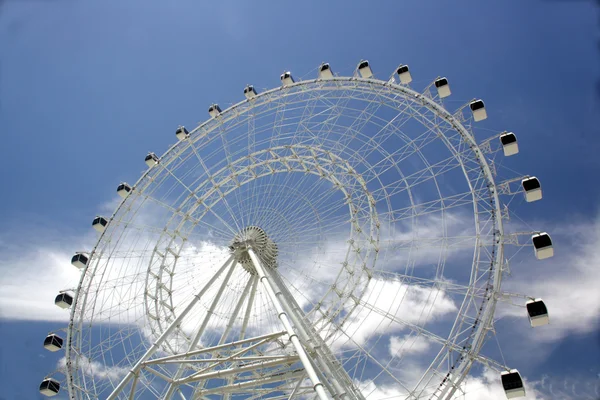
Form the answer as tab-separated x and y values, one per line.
63	300
478	109
53	342
509	143
542	244
512	384
214	110
79	260
364	69
123	189
286	78
151	160
99	223
532	189
325	71
537	312
49	387
443	87
404	74
249	92
182	133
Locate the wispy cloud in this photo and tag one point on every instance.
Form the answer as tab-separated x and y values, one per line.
96	369
408	344
568	283
488	386
30	281
409	303
569	288
570	388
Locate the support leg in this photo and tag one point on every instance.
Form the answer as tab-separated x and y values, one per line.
135	369
292	336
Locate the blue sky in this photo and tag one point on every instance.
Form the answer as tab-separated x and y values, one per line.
87	88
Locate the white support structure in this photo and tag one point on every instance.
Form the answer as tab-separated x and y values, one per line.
292	336
156	345
341	384
505	141
511	186
225	360
196	339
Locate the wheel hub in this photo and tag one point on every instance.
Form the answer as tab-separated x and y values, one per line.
257	239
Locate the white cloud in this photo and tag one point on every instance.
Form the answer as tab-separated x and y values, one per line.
419	244
489	386
408	344
571	388
393	300
381	392
568	283
486	386
96	369
30	281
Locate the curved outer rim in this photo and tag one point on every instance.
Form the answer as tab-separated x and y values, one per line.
488	312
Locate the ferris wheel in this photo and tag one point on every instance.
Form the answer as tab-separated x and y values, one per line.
333	237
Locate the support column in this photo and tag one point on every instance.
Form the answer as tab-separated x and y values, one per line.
292	336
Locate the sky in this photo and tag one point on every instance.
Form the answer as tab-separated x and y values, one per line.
87	88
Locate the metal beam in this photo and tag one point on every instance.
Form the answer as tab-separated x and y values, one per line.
292	336
176	322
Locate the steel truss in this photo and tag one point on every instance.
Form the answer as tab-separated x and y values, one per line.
278	361
295	360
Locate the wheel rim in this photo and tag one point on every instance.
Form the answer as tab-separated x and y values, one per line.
404	100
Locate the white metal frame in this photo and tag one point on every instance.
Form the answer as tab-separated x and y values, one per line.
469	165
290	321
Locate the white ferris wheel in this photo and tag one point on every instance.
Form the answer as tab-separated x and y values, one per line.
336	237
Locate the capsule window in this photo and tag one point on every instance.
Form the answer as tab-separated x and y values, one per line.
541	241
476	105
508	138
123	186
99	221
531	184
536	309
511	381
441	82
64	297
512	384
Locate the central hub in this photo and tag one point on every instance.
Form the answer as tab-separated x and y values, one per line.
255	238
